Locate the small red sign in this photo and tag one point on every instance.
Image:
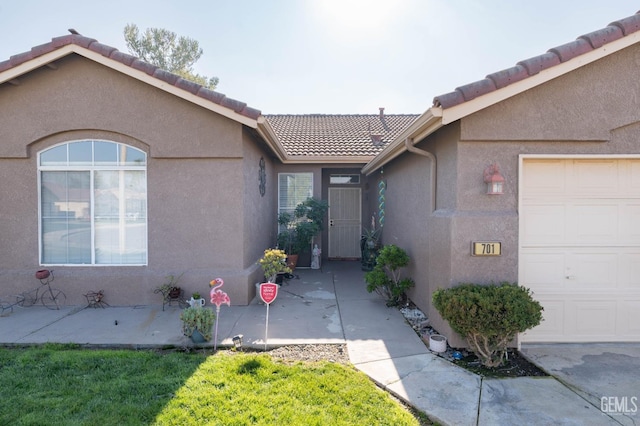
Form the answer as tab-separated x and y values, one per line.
268	292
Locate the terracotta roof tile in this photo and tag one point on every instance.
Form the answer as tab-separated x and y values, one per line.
510	75
628	25
143	66
135	63
533	66
337	135
102	49
603	36
479	88
122	57
166	76
569	51
43	49
187	85
539	63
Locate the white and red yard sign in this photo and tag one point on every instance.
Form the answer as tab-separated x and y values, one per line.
268	293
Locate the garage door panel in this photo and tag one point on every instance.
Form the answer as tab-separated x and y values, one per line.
546	177
580	248
629	318
545	223
594	177
592	271
593	224
630	224
552	321
588	317
544	270
629	279
633	180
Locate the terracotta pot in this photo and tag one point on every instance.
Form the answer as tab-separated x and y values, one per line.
292	261
42	274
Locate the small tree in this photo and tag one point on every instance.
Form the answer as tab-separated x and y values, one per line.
302	225
489	316
164	49
385	279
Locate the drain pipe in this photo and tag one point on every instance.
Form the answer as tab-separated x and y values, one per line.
408	143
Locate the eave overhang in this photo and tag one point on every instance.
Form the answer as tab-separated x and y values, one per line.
423	126
61	52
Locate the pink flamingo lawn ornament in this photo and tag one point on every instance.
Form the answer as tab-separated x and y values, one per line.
218	297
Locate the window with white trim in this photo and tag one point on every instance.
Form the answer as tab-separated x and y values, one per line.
293	188
93	204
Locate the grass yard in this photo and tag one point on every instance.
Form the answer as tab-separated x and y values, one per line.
55	385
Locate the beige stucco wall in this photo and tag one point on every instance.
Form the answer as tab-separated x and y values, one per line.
593	110
259	211
202	199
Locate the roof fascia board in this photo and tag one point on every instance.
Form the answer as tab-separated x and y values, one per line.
457	112
423	126
35	63
267	133
132	72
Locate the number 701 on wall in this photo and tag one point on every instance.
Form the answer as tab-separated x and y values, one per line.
486	248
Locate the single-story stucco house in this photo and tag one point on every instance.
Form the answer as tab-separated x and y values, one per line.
116	173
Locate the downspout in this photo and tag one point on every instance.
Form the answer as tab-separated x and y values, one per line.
408	143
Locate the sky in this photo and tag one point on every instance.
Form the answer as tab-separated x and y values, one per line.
328	56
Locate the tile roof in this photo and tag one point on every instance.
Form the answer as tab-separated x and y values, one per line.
135	63
337	135
532	66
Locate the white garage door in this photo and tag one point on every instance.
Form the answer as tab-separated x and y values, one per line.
580	248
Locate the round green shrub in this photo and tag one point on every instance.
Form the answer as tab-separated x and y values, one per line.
385	279
489	316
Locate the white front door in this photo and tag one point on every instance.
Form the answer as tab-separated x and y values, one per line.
580	248
344	222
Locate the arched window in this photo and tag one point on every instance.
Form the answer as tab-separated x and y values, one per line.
93	204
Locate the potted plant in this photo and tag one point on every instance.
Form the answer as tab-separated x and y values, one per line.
170	290
370	247
273	263
300	227
197	323
196	300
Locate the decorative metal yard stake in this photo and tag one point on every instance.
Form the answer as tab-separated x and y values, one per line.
218	297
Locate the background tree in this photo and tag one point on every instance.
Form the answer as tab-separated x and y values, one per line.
164	49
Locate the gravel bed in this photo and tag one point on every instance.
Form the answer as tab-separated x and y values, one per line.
311	353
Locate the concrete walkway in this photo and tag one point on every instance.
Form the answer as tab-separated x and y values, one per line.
331	306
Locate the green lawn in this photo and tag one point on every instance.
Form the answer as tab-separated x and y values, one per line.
55	385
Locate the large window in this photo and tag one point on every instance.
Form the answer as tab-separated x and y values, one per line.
93	204
293	188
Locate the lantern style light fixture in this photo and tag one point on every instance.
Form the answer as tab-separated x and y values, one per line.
237	341
494	180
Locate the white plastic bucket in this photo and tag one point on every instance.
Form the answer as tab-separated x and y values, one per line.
437	343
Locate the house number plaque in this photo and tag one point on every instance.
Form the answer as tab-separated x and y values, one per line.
486	248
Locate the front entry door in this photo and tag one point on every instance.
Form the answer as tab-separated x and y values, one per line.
344	223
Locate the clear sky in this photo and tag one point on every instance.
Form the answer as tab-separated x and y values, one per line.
328	56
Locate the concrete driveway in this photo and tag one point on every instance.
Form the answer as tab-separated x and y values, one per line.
607	375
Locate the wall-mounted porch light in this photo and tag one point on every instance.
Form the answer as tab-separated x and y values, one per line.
494	180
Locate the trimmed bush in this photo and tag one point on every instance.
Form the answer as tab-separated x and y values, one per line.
489	316
385	279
